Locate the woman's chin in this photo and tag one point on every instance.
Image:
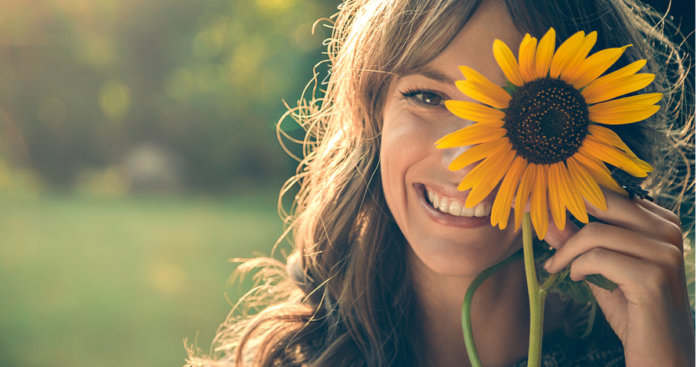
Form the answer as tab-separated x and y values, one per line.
459	259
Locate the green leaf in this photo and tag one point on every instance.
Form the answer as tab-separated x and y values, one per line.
510	88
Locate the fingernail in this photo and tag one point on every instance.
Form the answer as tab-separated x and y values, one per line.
547	264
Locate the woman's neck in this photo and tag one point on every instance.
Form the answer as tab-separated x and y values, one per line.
500	316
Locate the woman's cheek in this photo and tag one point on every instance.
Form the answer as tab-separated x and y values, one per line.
406	142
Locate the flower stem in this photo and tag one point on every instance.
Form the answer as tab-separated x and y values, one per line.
537	295
466	307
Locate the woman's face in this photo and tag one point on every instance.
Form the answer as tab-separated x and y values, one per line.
419	189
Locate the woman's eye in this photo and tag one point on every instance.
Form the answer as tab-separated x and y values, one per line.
425	97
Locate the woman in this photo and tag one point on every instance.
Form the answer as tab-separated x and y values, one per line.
378	273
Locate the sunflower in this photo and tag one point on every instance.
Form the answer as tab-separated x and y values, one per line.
540	138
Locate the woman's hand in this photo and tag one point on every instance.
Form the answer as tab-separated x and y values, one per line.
640	248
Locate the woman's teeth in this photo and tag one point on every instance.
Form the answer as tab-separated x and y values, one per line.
454	207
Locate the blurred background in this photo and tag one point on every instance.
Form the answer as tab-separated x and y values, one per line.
138	154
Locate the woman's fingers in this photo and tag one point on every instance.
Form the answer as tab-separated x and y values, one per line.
640	280
643	218
609	237
556	237
662	212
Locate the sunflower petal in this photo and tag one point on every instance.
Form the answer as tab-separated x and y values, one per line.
571	195
627	103
556	204
625	117
599	171
503	55
602	89
596	65
539	209
483	171
572	68
480	174
627	70
612	156
471	74
625	110
523	191
544	53
609	137
526	57
565	53
481	132
487	93
477	153
481	191
643	165
503	200
474	111
586	183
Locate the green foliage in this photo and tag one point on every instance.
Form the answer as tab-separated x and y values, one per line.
84	82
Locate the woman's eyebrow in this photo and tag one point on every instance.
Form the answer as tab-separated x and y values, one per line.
432	73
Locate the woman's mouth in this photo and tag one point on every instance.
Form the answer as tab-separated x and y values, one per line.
455	207
449	210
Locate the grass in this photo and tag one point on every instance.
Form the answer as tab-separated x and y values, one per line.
90	281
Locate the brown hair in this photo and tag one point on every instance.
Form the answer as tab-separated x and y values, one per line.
344	297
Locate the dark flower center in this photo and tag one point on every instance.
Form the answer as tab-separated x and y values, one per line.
546	120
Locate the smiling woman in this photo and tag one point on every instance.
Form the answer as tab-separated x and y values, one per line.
387	240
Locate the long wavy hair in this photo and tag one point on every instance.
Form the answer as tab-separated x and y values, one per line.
343	295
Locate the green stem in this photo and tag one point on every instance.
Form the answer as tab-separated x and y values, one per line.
466	307
537	295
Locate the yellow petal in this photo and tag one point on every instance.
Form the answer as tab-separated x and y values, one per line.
523	191
474	134
503	200
477	153
556	203
565	53
599	172
625	110
572	196
612	156
544	53
586	183
573	65
596	65
483	171
539	210
621	105
609	137
487	93
474	111
526	57
603	89
471	74
507	62
626	117
485	186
